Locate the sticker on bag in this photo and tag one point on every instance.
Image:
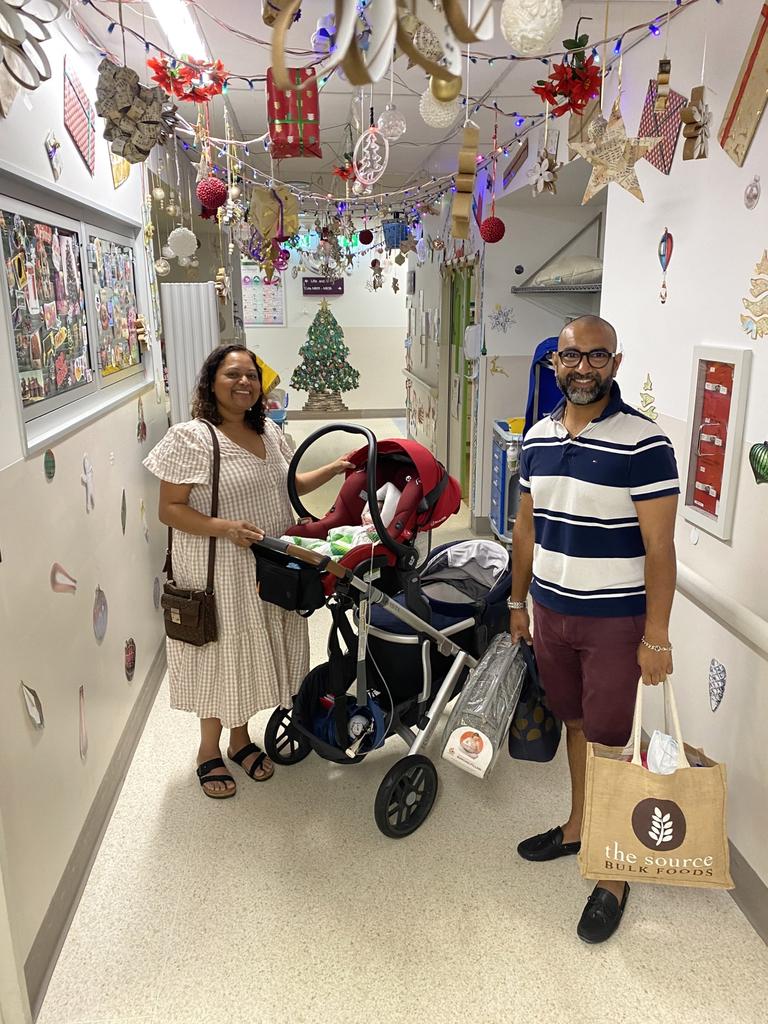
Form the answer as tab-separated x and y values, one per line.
470	749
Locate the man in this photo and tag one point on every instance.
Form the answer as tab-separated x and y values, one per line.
594	540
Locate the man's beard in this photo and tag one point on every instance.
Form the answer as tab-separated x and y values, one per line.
584	395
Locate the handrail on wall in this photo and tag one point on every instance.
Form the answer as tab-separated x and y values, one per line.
745	623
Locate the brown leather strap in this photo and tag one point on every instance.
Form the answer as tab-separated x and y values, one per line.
168	567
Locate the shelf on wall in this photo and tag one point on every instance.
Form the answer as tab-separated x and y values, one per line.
558	289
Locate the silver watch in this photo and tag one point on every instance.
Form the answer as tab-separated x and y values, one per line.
516	606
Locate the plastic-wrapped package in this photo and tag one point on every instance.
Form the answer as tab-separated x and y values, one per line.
479	722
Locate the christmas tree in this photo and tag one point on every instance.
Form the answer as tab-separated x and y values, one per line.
324	371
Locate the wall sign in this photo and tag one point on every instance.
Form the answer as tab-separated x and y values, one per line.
716	413
322	286
263	304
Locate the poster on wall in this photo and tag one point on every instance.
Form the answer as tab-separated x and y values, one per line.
111	270
44	285
263	304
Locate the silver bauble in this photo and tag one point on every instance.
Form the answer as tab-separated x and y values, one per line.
391	123
162	267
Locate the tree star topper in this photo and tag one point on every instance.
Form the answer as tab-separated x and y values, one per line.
613	157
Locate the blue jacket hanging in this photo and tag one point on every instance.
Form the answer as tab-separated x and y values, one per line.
543	392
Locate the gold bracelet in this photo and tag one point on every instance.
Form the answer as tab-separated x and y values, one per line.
656	648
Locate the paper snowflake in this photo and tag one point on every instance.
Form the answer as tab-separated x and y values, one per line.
501	318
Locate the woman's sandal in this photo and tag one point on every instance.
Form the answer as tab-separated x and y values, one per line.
247	750
204	774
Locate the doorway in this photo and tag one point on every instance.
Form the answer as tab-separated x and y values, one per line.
460	383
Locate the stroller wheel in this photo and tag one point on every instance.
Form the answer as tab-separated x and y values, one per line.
405	796
283	744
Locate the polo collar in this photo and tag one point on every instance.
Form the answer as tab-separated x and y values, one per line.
615	403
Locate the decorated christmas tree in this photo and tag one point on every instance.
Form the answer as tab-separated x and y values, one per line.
324	371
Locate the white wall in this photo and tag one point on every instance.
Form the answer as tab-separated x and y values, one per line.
374	331
47	638
717	244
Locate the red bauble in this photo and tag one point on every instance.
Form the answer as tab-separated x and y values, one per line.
365	236
212	193
492	229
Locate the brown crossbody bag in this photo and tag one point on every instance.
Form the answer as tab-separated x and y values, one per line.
190	615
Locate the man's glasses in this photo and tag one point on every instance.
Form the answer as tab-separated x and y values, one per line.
597	357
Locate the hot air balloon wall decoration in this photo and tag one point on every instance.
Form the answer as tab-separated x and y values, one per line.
666	245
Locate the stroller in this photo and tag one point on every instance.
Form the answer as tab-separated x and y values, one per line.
416	630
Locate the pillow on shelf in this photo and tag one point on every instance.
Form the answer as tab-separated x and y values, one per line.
570	270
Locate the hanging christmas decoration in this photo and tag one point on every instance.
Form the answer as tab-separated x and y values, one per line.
395	233
572	83
758	460
748	97
696	119
222	285
138	119
421	251
212	193
492	228
182	241
501	318
162	267
391	123
445	90
22	31
395	285
437	114
461	208
378	275
293	115
192	83
614	157
366	236
756	324
752	193
323	39
666	244
665	125
529	25
371	155
543	174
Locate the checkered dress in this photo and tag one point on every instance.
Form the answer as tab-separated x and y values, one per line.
262	653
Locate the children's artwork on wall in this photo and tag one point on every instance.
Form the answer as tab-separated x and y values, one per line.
747	101
79	117
129	658
86	479
664	124
121	170
123	512
758	460
156	592
501	318
647	401
53	149
114	290
46	301
49	465
666	245
141	425
83	730
33	706
61	581
717	680
100	614
756	323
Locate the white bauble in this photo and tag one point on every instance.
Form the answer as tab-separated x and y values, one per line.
182	241
529	25
162	268
168	252
183	261
437	114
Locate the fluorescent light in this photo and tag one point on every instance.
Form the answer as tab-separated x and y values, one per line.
180	28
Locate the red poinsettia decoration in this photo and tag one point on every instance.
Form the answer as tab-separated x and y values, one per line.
195	83
345	171
572	84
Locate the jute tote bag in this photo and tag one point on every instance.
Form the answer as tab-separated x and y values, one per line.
644	827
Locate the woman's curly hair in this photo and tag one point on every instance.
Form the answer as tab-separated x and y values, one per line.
204	405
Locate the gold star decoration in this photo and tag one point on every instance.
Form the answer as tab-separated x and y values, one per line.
613	157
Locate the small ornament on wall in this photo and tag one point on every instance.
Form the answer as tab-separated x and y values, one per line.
758	460
86	479
83	730
33	706
129	658
756	323
100	614
61	581
53	150
501	318
156	592
666	245
141	426
647	400
49	465
752	193
123	512
717	680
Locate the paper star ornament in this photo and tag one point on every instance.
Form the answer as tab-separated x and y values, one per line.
613	157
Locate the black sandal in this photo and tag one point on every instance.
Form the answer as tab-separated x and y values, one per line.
248	749
203	773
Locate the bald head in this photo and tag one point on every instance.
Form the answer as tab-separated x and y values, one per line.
588	332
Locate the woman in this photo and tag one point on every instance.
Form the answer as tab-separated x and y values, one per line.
262	652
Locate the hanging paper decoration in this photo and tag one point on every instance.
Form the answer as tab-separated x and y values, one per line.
437	114
696	118
529	25
756	324
61	581
408	245
33	705
82	730
324	37
461	207
758	460
378	275
294	116
647	401
129	658
371	155
662	85
182	242
273	213
613	158
23	61
666	244
196	83
271	8
572	83
501	318
138	119
747	102
717	680
543	174
666	125
222	284
79	117
212	193
87	481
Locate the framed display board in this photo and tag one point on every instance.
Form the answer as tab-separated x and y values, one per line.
111	273
46	302
263	304
716	415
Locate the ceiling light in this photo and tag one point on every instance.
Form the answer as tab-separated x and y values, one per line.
180	28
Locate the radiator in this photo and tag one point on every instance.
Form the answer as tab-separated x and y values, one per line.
191	329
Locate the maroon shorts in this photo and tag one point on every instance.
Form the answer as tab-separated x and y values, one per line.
588	668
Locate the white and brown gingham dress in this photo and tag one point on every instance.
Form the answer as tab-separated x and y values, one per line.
262	654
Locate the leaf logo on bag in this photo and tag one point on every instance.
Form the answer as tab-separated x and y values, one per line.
659	824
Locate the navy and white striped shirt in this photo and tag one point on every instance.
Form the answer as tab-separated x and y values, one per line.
589	556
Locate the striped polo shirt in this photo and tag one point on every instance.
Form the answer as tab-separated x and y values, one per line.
589	556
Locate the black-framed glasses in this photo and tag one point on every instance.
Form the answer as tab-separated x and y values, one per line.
596	357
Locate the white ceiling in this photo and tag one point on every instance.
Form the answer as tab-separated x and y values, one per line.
423	151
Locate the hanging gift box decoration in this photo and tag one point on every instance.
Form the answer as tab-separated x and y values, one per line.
748	98
666	244
665	124
696	118
294	116
274	212
371	155
395	233
461	207
758	460
138	119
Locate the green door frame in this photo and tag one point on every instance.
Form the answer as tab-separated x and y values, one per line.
461	294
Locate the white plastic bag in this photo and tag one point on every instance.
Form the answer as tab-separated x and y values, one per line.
479	722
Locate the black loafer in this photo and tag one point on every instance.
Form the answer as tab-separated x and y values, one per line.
602	915
547	846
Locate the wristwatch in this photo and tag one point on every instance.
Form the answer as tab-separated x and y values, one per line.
516	606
